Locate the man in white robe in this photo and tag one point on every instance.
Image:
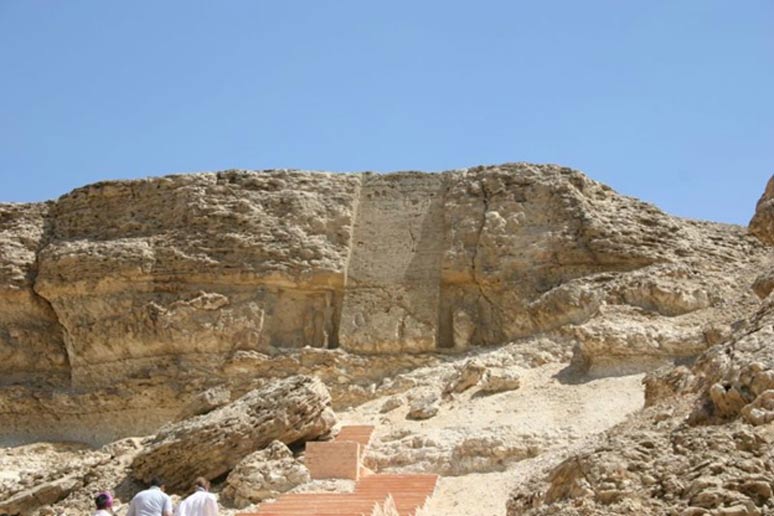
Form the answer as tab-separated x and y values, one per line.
200	503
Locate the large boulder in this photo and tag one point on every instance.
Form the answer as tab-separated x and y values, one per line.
289	410
264	474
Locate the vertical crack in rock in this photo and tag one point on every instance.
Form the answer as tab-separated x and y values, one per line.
413	239
473	266
338	295
45	239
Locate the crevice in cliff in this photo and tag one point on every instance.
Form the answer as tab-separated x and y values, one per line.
473	266
413	239
66	345
445	325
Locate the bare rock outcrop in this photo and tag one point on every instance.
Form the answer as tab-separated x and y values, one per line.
457	451
141	405
32	347
145	273
764	284
165	288
63	478
762	223
290	410
465	377
42	494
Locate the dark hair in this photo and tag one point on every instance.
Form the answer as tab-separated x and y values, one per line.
203	483
156	482
103	501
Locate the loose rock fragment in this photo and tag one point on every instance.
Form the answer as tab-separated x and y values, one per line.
500	380
288	410
465	377
264	474
424	404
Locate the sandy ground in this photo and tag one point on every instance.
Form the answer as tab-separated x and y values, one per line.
547	403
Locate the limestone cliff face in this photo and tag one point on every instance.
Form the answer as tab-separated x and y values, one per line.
31	338
143	274
209	276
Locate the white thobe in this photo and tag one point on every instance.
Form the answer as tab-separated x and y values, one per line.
201	503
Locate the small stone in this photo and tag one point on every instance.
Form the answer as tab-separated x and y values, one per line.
500	380
424	404
737	510
465	377
391	404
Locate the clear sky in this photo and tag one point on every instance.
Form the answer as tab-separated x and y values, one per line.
671	101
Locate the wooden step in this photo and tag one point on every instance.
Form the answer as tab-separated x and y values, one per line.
359	433
409	493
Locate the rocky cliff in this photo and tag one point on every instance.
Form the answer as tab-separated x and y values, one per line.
128	304
703	443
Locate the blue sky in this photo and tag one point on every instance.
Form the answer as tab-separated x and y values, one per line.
671	101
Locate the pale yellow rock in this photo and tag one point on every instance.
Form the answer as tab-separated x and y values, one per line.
32	346
264	474
129	305
145	274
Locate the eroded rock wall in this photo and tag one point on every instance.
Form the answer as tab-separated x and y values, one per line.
394	277
32	347
162	272
167	287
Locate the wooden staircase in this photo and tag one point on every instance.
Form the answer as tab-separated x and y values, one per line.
409	492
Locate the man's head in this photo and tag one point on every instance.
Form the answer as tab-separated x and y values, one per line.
157	482
202	483
103	501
